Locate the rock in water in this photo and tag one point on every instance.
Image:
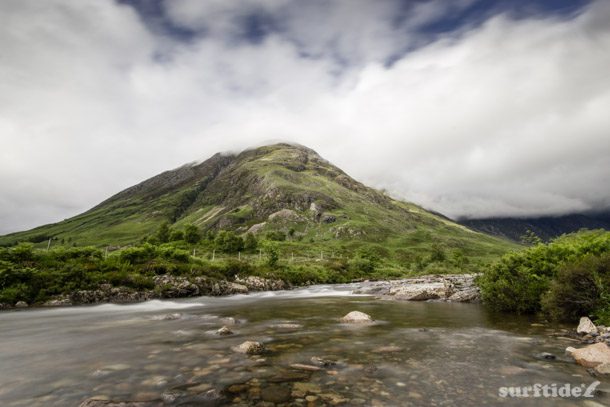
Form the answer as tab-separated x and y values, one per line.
604	368
224	331
592	355
586	327
250	348
275	393
21	304
356	317
421	292
96	402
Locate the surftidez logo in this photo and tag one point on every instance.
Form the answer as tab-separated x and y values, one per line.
553	390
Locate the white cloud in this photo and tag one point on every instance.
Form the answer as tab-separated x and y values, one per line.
509	118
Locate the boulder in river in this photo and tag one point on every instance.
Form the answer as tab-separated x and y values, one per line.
21	304
421	292
586	327
467	295
250	348
357	317
592	355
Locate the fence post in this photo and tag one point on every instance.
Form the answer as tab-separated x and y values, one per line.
49	244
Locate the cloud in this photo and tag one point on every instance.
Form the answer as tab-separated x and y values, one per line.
507	117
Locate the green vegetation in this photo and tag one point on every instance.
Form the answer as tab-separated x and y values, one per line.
280	211
566	278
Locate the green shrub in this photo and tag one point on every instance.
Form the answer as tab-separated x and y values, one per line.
176	235
234	267
228	242
361	265
518	281
576	290
191	234
21	253
275	235
139	254
273	254
173	253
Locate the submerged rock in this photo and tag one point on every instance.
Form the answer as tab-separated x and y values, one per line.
169	317
586	327
275	393
356	317
592	355
301	366
546	356
250	348
100	402
316	360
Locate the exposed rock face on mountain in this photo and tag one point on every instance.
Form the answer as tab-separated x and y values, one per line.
281	188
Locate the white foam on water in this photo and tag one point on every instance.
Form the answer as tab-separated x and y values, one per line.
306	292
152	305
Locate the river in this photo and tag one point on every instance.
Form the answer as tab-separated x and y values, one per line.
168	353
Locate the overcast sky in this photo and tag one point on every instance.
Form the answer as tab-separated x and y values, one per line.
466	107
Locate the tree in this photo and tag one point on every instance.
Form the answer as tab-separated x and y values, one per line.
191	234
163	233
250	242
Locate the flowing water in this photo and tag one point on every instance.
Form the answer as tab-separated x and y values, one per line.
167	352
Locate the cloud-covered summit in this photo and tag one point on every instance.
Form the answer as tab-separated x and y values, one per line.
465	107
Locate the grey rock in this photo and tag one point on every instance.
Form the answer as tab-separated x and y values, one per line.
250	348
586	327
357	317
224	331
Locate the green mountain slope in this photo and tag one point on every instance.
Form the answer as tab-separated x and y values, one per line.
278	190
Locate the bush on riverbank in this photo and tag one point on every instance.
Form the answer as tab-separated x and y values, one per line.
566	278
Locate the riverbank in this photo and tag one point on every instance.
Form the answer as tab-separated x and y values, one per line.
452	287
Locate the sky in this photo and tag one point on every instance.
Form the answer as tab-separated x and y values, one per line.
473	108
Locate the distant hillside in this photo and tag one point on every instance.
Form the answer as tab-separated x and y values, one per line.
546	227
280	192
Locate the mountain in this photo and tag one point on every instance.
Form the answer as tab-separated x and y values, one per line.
281	192
546	227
